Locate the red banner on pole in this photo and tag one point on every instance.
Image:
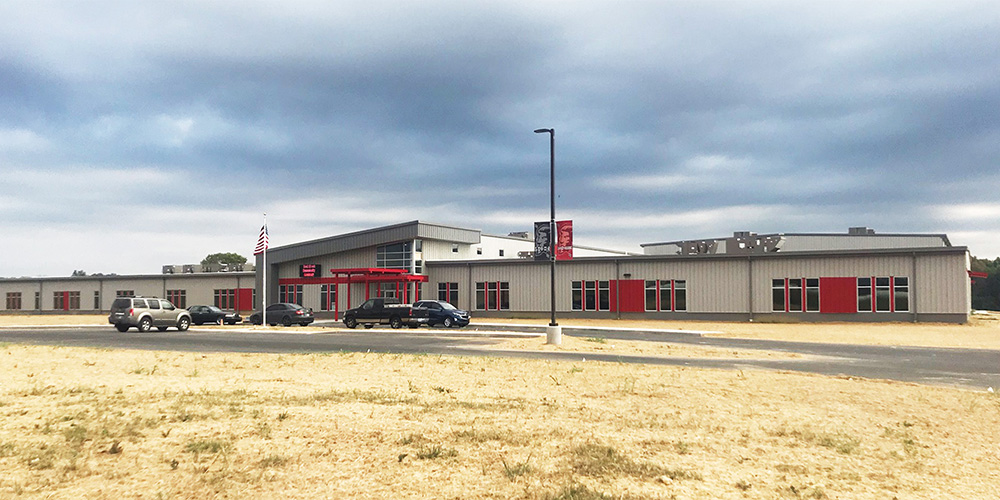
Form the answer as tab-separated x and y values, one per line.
564	240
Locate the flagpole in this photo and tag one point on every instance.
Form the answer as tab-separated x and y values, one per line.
263	305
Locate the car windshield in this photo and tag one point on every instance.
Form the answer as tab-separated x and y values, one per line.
447	306
119	304
214	309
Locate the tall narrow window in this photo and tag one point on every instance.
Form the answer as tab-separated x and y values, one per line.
97	300
901	293
864	294
666	294
812	294
651	301
882	294
778	295
603	295
504	295
577	296
590	295
794	294
680	295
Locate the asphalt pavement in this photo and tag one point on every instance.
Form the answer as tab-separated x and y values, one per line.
976	369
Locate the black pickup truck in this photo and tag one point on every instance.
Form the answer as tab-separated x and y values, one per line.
379	311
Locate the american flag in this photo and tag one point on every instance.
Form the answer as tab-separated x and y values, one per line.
261	241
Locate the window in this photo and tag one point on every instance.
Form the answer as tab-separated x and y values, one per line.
480	295
454	248
494	295
418	245
225	298
38	300
179	298
14	301
97	300
901	293
795	294
328	297
778	295
812	294
448	292
864	294
125	293
57	300
501	252
418	267
395	256
479	250
662	295
591	295
882	294
289	293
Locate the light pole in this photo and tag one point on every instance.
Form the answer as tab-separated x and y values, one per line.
553	333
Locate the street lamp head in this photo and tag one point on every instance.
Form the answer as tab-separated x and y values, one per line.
544	131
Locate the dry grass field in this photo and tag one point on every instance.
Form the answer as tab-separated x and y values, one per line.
101	424
104	424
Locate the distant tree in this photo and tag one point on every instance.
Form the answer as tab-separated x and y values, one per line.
986	291
79	272
224	258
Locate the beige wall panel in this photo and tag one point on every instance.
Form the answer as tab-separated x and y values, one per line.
936	289
713	286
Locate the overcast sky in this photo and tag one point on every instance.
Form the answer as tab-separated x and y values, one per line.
135	134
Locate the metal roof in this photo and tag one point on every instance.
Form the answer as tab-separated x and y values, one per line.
406	231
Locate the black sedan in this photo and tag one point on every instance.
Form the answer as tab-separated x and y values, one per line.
286	314
211	314
439	312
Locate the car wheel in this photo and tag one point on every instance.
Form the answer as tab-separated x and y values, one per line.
183	324
350	322
121	328
448	323
145	324
395	322
254	321
286	321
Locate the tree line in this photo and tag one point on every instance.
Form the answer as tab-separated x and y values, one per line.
986	291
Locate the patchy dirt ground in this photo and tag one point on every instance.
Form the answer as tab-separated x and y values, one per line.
106	424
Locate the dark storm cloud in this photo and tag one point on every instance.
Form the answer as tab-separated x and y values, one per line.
674	120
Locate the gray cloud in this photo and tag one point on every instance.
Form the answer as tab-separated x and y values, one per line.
689	119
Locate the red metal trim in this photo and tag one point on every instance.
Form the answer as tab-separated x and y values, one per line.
976	274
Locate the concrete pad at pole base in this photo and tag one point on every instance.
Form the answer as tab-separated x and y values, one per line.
553	335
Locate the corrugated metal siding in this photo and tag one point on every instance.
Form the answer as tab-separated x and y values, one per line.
936	289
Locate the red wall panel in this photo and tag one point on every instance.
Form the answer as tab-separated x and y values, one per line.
244	299
632	295
838	295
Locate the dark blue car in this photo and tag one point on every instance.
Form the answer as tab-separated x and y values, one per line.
439	312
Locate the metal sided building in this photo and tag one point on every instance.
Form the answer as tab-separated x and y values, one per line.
94	294
858	276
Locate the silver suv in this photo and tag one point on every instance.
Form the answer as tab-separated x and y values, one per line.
147	312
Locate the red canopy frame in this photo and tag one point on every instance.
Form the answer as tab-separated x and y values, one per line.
366	275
